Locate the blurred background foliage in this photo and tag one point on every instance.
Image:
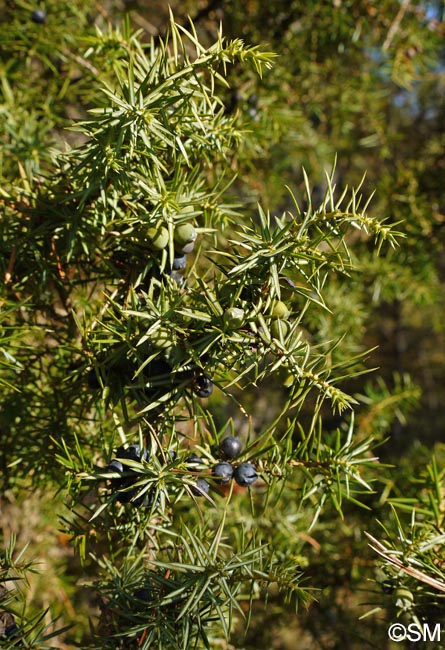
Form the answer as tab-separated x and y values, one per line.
356	87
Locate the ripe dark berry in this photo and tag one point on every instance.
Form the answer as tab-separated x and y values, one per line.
245	474
170	456
132	452
179	262
252	100
93	380
202	385
193	462
11	630
115	466
38	16
223	471
202	487
178	278
146	499
126	495
231	447
142	594
388	586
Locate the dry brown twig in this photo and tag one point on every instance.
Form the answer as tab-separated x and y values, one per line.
395	25
381	550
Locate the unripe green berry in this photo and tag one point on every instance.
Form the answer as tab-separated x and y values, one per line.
279	329
279	310
234	317
286	376
403	598
158	237
289	380
184	234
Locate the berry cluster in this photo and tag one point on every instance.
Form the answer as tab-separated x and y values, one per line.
184	238
129	477
244	474
117	367
279	327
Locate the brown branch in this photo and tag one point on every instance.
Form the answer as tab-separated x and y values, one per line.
414	573
394	28
61	272
8	274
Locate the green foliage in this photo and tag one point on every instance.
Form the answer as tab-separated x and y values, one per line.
111	338
18	627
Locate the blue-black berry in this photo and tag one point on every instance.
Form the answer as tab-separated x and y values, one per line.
231	447
179	262
146	499
115	466
129	477
126	495
132	452
245	474
11	630
93	380
178	278
193	463
203	386
388	586
38	16
142	594
170	456
223	472
129	496
202	487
